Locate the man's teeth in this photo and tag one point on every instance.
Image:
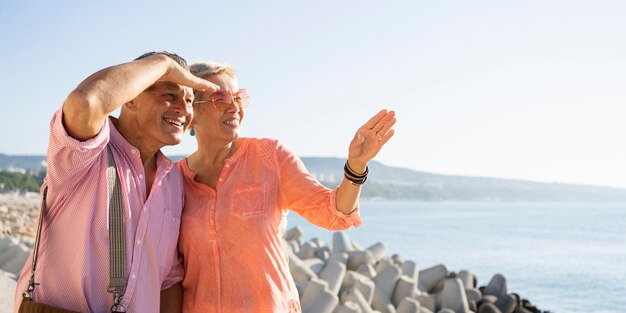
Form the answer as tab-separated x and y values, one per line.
174	122
232	122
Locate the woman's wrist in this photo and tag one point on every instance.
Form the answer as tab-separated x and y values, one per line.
357	167
355	178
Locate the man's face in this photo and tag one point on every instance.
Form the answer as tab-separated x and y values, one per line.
164	112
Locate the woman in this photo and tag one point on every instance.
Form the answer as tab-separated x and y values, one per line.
237	195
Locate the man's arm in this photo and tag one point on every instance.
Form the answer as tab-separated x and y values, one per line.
86	108
172	299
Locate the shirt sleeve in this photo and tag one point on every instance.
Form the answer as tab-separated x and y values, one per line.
303	194
68	158
175	274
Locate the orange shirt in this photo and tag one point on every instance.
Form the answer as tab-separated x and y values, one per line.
231	236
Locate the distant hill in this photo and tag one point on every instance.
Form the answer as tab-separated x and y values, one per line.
395	183
389	182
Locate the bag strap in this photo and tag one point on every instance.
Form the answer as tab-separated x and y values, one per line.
28	293
117	242
117	276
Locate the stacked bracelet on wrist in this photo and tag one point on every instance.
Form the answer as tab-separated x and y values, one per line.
353	177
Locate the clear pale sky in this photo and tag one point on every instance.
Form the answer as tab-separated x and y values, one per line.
530	90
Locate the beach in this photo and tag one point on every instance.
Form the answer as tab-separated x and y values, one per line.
538	251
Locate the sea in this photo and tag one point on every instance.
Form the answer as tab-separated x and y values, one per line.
563	257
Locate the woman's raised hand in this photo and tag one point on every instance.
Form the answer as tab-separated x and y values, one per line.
370	138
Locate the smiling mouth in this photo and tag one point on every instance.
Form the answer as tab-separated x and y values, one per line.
232	122
176	123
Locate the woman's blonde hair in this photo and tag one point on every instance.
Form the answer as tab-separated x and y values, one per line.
204	69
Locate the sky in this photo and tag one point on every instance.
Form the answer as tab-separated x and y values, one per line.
531	90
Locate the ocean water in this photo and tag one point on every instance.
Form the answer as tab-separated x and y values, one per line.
563	257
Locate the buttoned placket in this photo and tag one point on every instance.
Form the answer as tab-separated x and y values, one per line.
142	225
225	172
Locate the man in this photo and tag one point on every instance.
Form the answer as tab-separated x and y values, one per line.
155	93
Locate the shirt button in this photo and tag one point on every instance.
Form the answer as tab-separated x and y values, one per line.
227	165
133	275
139	242
145	208
140	176
133	151
220	179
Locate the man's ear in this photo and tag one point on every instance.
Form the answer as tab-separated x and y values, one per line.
131	105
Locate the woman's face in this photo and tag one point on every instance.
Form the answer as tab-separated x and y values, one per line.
215	121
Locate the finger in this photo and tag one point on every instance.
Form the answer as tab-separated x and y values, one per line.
386	137
358	137
381	123
203	85
372	121
387	126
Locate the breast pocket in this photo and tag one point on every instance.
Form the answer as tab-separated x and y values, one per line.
250	200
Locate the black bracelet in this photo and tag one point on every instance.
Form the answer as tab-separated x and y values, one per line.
347	169
354	178
355	182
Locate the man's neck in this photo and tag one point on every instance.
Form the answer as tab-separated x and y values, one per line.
147	152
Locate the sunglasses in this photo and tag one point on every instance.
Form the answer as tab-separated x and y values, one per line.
222	100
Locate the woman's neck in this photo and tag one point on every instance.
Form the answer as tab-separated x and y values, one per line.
213	153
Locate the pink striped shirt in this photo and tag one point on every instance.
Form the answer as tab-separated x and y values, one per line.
231	236
73	264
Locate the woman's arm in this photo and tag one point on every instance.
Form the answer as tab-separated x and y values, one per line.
172	299
365	145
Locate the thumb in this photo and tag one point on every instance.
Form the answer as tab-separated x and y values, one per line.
358	137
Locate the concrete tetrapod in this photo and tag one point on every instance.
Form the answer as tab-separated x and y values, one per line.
409	305
377	250
354	295
488	307
385	280
341	242
506	303
496	286
468	279
341	257
14	258
427	301
357	258
381	301
312	290
293	246
410	269
453	296
295	233
299	271
429	278
348	307
315	264
405	287
333	274
307	250
367	270
473	294
325	303
360	282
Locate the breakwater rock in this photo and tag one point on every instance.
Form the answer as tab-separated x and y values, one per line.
343	277
18	215
13	255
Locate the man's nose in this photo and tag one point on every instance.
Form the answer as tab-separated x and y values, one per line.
183	106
